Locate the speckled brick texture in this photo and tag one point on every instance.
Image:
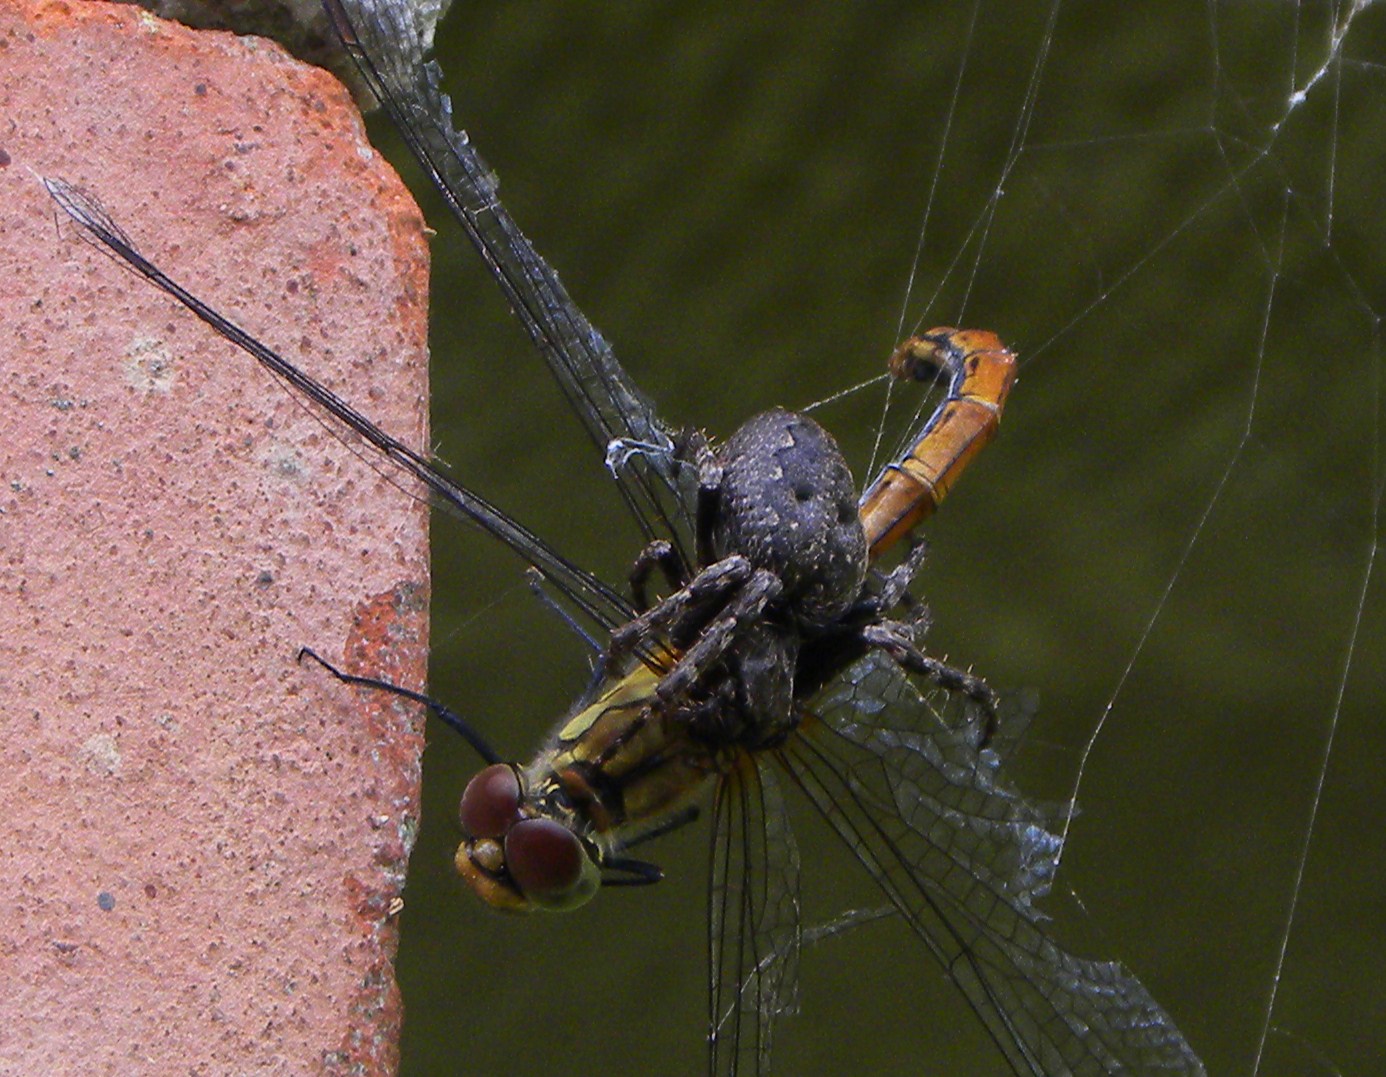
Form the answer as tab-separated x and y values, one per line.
203	840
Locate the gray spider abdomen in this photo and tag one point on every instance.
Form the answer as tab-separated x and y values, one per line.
788	503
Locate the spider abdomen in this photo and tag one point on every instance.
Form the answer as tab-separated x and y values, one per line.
788	503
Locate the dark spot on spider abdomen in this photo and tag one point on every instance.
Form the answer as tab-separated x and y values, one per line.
788	503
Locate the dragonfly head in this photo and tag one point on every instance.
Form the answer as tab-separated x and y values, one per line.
515	858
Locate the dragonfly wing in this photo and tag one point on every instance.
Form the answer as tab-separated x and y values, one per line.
963	857
388	46
753	920
590	595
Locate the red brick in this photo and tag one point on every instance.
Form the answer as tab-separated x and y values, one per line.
203	839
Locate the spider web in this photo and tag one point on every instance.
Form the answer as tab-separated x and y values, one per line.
1169	215
1275	488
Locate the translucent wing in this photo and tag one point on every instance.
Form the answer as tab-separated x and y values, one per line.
963	857
588	593
388	47
753	920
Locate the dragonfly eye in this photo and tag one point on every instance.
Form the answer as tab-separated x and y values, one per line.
517	863
491	802
550	865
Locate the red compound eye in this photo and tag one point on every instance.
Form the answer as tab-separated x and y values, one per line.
491	802
548	863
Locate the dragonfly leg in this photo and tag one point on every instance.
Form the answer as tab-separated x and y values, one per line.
535	579
895	640
622	871
450	717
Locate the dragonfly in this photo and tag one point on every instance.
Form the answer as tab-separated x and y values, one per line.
776	652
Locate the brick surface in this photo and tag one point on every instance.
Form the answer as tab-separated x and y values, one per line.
203	839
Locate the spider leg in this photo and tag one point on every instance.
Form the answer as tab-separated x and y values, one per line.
894	639
709	495
918	617
712	642
677	615
895	587
894	592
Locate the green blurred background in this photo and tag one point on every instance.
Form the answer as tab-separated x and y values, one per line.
1193	272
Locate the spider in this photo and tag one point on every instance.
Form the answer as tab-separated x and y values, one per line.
781	598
